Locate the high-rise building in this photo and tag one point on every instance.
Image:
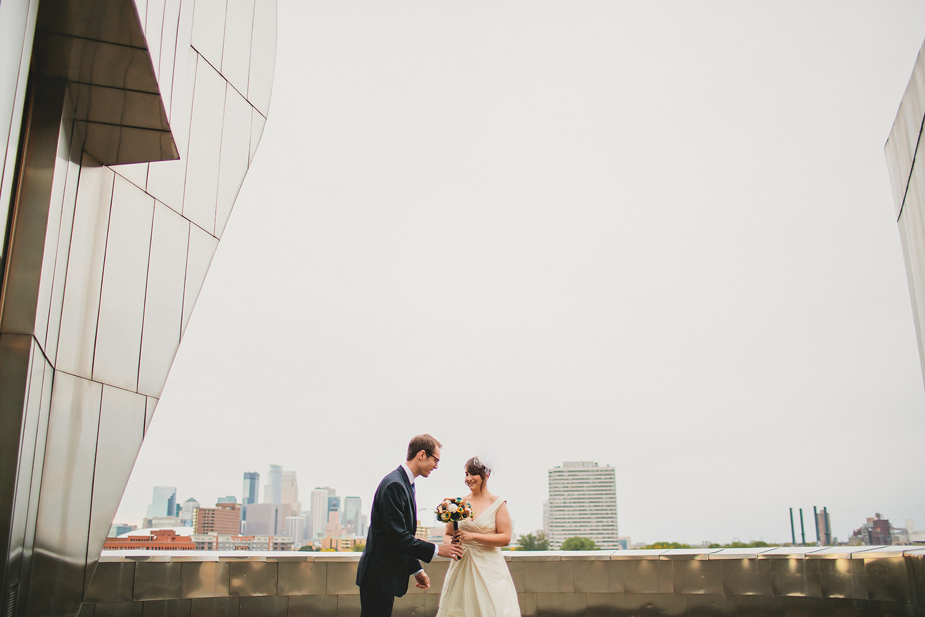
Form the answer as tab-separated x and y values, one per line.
223	518
251	486
295	529
186	512
163	502
353	516
319	510
334	509
262	519
272	491
227	499
583	502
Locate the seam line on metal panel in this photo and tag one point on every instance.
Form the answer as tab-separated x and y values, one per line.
911	169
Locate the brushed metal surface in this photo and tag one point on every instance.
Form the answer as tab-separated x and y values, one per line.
313	606
253	578
199	197
209	30
263	60
235	151
236	48
201	249
156	581
549	576
215	607
121	430
887	580
111	583
60	552
210	579
303	578
85	271
341	578
258	122
697	576
163	303
122	297
269	606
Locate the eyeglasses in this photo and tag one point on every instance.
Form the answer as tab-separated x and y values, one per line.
436	460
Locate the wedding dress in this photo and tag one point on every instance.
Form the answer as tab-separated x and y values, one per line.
479	584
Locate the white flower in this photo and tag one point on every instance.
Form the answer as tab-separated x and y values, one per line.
452	507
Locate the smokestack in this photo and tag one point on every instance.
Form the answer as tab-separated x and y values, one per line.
816	520
793	534
802	529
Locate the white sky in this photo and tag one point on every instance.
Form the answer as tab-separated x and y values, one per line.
655	235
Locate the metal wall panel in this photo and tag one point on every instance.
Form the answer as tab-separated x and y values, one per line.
17	29
843	578
64	504
341	578
313	606
122	423
85	270
258	122
215	607
236	134
209	30
303	578
236	50
121	609
201	249
166	608
641	576
887	580
167	179
549	576
122	300
209	579
270	606
157	581
199	197
253	578
263	60
904	136
163	311
697	576
112	583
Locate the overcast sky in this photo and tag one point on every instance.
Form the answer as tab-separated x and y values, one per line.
655	235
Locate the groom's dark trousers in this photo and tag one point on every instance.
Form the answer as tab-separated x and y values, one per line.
392	553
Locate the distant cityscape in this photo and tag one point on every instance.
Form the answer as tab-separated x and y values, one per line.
580	514
277	522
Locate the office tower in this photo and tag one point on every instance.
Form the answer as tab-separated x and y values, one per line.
272	491
289	498
261	519
583	502
295	529
353	522
103	260
319	510
186	512
251	485
223	518
334	509
227	499
163	502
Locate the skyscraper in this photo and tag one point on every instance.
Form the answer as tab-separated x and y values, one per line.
251	486
163	502
353	516
186	511
272	491
583	502
319	511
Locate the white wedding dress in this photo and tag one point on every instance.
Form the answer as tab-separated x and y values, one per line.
479	584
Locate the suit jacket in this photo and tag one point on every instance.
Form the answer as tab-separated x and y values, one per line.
392	552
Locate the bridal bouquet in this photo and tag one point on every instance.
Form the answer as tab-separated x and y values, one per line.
453	510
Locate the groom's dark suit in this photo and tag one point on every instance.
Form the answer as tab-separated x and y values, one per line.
392	552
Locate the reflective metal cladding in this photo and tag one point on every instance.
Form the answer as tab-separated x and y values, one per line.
128	126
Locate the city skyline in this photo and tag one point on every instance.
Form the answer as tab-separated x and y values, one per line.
659	236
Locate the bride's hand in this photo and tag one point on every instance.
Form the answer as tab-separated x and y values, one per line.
463	536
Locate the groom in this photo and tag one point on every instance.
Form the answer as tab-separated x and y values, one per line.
392	552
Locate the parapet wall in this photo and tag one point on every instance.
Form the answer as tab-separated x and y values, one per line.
783	581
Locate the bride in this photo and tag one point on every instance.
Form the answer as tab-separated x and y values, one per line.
479	584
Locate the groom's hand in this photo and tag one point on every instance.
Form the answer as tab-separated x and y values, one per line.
453	551
423	581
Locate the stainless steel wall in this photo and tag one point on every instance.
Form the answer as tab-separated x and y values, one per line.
907	180
129	147
834	581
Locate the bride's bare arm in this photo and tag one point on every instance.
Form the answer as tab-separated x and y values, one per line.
502	535
448	534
